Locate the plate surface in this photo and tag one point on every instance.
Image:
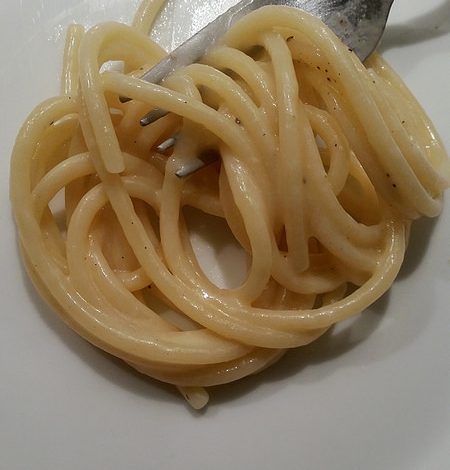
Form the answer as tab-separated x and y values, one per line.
374	395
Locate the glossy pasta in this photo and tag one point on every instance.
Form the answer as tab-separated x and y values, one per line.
323	165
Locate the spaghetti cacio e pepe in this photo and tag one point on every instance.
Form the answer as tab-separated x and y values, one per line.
324	163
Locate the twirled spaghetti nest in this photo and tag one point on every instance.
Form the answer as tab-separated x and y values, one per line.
323	164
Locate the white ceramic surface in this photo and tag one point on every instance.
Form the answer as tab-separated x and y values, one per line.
374	395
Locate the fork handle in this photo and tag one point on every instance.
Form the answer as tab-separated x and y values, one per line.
363	16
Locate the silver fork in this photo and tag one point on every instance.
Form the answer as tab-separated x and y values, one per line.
358	23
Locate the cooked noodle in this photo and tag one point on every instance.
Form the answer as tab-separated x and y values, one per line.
324	164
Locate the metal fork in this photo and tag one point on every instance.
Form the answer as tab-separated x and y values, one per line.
358	23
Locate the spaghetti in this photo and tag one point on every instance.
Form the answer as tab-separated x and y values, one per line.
324	164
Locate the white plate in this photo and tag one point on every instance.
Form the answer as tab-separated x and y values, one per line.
374	396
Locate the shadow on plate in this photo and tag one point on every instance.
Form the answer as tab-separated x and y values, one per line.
336	342
430	25
419	239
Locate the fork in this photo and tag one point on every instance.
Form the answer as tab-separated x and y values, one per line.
358	23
